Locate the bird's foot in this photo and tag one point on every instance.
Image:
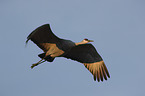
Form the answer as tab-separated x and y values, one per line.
33	65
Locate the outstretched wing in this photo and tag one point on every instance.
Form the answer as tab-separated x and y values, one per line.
98	69
87	54
43	37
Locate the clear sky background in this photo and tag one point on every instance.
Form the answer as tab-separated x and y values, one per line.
116	26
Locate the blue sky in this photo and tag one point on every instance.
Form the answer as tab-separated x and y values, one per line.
116	26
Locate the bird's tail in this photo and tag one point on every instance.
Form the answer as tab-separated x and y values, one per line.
48	58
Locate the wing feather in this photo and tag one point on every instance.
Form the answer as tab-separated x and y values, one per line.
101	73
98	71
85	53
104	73
88	55
43	37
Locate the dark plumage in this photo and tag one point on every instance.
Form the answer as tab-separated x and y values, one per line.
83	51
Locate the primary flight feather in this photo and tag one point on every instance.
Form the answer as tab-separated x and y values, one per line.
83	51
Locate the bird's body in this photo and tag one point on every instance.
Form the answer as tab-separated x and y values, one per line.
83	51
65	45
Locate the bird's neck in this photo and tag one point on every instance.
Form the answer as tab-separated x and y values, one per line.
79	43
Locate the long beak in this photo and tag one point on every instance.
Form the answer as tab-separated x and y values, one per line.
90	40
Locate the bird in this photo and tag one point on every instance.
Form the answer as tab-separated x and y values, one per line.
83	52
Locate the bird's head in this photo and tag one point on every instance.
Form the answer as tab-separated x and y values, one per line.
87	41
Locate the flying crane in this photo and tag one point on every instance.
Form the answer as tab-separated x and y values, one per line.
83	51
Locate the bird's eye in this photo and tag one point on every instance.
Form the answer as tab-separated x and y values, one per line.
86	39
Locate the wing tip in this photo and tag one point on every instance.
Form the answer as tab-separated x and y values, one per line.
26	42
100	71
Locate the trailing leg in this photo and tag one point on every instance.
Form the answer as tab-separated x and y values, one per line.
33	65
